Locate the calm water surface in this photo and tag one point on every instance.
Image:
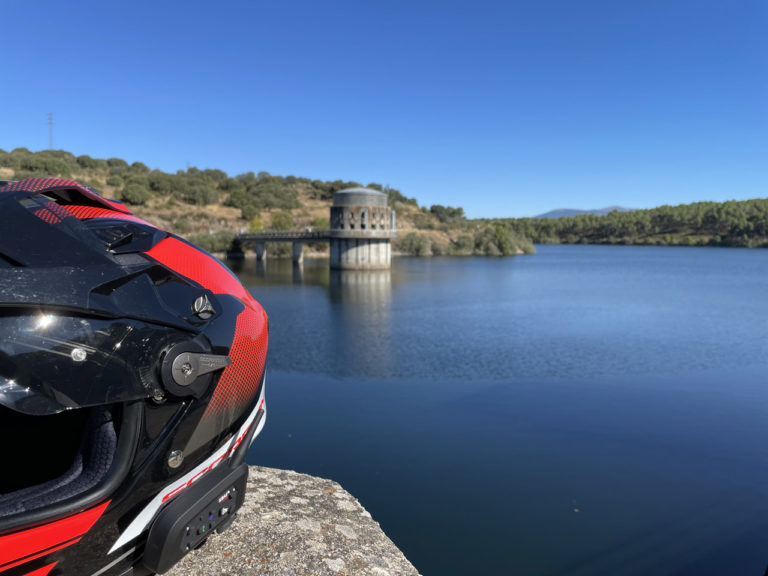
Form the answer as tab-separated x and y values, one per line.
587	410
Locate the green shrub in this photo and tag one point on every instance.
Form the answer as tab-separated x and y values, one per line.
464	244
139	179
214	175
219	241
121	171
115	181
321	224
255	224
249	212
87	162
117	163
91	183
282	221
394	196
230	185
438	249
160	182
181	226
200	193
423	221
447	213
413	244
40	165
23	174
136	194
279	249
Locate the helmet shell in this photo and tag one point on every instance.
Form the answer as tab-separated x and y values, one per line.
132	363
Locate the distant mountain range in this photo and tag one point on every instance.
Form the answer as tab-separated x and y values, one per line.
564	212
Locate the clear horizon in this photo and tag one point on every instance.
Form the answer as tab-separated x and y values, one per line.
506	109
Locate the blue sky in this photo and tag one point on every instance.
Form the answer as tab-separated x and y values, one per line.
505	108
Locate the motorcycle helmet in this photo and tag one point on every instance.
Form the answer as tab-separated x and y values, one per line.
131	386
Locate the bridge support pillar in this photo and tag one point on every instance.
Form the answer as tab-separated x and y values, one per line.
261	251
298	252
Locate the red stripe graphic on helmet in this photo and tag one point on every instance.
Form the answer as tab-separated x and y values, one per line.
22	546
52	213
56	185
199	267
47	216
41	571
90	212
45	552
40	184
240	380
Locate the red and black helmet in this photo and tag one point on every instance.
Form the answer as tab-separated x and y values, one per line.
131	385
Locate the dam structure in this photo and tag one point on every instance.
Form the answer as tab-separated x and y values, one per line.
361	230
362	226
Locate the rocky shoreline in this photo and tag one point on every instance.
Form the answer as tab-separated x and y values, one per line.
294	524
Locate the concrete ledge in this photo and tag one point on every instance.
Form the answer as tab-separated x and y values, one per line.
293	524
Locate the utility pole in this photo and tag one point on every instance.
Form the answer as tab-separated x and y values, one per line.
50	130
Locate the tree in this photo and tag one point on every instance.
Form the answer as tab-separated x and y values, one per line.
219	241
413	244
115	181
135	194
281	221
447	214
159	181
89	163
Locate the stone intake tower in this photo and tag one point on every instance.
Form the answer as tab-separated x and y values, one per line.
362	226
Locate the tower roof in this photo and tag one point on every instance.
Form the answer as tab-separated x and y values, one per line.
359	197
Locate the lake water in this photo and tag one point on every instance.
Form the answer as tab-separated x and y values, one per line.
587	410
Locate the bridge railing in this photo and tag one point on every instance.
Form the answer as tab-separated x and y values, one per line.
315	235
285	236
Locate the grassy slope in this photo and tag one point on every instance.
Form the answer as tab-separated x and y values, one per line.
187	220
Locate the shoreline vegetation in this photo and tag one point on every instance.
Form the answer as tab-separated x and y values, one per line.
735	223
209	207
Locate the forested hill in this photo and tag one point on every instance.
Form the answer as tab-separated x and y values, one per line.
564	212
734	223
210	207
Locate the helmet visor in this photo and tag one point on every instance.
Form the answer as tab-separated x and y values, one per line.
51	362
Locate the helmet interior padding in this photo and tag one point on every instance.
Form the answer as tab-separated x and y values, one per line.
95	442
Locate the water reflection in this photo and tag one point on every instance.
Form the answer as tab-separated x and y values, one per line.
372	288
351	334
298	273
363	301
280	272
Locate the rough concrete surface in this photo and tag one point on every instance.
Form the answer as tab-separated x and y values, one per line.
293	524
